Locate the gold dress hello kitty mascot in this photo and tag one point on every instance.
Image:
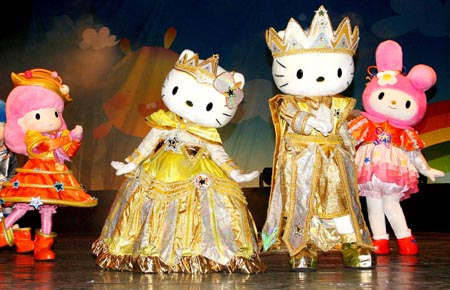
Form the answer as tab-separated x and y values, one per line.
389	149
181	208
314	204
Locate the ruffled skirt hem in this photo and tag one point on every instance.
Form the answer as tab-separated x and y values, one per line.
188	264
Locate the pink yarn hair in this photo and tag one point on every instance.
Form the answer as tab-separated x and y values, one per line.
21	100
389	57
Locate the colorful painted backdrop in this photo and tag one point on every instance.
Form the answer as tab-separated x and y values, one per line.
114	56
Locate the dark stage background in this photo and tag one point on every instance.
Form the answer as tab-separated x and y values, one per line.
114	56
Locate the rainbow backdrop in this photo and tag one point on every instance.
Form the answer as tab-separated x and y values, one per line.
434	129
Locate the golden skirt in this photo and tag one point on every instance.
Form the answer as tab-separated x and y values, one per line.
199	224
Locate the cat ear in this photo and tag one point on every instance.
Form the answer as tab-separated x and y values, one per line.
187	53
239	79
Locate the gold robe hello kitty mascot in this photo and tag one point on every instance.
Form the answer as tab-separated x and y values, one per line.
314	204
181	208
389	154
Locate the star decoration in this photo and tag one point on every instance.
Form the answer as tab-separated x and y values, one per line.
16	184
297	230
337	113
367	160
230	92
202	181
59	186
321	11
36	202
173	143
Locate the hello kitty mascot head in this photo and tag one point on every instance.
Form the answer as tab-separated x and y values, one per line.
317	62
217	92
394	96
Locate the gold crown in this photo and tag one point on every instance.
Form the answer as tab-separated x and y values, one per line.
42	78
205	71
319	38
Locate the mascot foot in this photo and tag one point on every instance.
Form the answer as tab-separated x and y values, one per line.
305	261
6	236
23	241
358	257
381	247
42	246
407	246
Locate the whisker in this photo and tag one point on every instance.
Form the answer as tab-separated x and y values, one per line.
280	64
279	76
284	85
228	115
218	122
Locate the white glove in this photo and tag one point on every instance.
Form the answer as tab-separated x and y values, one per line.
422	166
320	125
123	168
239	177
433	173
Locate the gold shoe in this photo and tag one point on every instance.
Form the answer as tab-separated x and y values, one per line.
305	261
358	257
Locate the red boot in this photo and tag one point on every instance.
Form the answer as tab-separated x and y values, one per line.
6	236
42	245
407	246
22	240
381	246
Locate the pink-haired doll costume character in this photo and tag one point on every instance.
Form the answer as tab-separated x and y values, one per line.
389	154
36	128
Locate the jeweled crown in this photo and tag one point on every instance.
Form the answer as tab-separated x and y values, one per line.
320	37
205	71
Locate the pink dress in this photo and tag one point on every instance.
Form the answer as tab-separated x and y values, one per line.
384	167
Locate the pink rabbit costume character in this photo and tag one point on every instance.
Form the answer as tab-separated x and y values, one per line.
389	149
36	128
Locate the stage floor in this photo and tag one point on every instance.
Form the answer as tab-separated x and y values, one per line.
75	268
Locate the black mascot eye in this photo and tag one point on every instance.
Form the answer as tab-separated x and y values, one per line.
175	90
209	107
37	116
408	104
56	114
339	72
299	74
380	96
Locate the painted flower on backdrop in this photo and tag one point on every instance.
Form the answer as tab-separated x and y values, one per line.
97	40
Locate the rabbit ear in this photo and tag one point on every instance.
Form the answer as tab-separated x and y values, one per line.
389	56
422	77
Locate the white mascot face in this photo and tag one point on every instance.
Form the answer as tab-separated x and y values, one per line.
313	74
210	104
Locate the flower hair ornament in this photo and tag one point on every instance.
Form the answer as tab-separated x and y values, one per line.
225	84
42	78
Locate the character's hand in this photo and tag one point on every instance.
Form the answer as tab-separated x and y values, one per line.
432	173
320	125
77	133
239	177
123	168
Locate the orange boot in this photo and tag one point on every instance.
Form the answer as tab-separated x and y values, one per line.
42	245
6	236
22	240
407	246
